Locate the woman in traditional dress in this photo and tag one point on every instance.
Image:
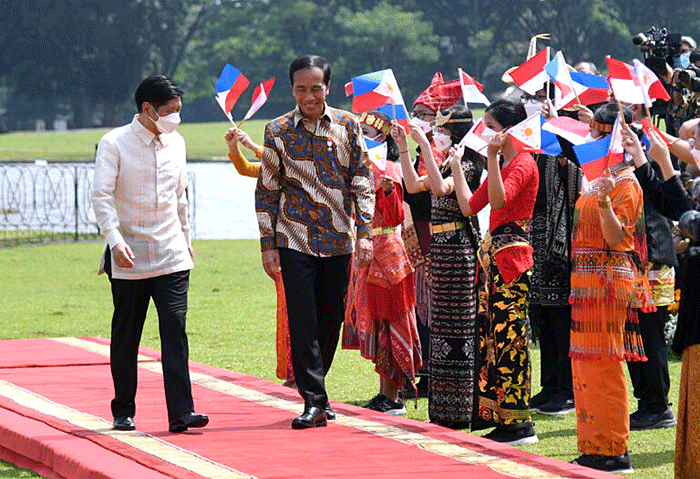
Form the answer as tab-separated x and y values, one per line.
453	244
233	137
384	297
505	260
608	281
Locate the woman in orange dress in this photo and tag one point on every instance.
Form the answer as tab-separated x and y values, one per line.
233	137
608	281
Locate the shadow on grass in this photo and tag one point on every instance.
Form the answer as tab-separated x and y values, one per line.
557	433
647	460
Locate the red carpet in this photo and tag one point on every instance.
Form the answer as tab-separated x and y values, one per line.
55	419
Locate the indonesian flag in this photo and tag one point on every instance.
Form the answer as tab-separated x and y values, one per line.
377	89
472	89
625	83
229	87
475	138
590	88
571	130
530	76
651	85
563	86
648	126
260	96
527	135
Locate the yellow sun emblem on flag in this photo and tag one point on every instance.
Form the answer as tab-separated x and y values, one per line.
528	131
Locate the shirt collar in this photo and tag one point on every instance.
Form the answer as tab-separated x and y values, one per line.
327	111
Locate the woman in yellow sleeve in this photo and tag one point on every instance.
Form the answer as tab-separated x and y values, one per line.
233	137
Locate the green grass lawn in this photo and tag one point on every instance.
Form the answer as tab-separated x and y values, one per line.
53	291
204	141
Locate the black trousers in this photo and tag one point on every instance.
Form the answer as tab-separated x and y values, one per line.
650	379
555	373
315	289
131	299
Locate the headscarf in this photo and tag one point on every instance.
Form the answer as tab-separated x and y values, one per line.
440	94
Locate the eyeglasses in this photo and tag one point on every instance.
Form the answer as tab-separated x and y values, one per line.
539	98
423	115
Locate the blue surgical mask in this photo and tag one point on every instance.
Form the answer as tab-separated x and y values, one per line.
682	61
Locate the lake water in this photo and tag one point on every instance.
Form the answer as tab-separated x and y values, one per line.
226	205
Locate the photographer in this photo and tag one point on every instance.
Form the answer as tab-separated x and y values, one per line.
686	341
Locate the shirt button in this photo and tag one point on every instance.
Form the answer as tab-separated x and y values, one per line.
313	215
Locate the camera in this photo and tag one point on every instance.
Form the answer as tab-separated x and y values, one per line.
689	225
690	78
659	48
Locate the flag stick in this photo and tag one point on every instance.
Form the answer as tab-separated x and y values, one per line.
622	115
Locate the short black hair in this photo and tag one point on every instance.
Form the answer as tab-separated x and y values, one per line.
507	112
156	90
310	61
607	114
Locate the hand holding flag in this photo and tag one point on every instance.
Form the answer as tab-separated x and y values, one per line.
229	87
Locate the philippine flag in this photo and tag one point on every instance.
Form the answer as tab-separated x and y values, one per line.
378	90
229	87
527	135
624	82
260	96
594	157
651	85
530	76
571	130
591	89
377	152
472	89
563	87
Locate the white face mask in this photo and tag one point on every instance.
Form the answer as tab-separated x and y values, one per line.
532	107
442	141
488	133
422	124
167	123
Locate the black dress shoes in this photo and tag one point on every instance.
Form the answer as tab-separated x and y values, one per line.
187	420
312	417
330	413
123	423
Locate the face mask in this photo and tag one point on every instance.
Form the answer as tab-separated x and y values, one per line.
532	107
488	133
682	61
442	141
422	124
168	123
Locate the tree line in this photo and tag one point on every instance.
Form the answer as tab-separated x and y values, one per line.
82	59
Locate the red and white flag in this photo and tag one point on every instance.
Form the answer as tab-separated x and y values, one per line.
625	82
651	85
475	139
472	89
527	135
616	153
530	76
260	96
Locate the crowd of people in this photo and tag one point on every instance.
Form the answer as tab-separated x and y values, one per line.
392	255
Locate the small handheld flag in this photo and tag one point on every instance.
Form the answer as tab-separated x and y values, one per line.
563	87
472	89
530	76
378	90
260	96
625	82
229	87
